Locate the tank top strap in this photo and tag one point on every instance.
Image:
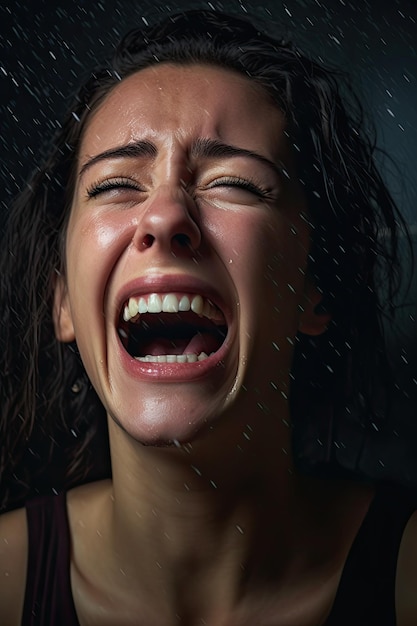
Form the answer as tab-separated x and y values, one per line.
48	596
366	593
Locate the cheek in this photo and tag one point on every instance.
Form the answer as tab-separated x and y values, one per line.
94	244
263	250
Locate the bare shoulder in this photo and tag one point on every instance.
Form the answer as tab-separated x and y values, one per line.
406	583
13	563
85	498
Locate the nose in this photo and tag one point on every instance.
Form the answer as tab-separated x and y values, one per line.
169	222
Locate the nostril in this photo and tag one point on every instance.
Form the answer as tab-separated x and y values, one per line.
148	241
183	240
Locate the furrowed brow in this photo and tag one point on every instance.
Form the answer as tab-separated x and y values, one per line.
128	151
212	148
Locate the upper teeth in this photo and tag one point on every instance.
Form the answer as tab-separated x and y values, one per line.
171	303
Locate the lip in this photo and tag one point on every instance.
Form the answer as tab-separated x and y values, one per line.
173	372
168	283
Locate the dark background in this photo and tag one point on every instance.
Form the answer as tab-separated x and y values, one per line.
47	48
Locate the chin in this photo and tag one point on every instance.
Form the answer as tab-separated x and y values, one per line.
177	419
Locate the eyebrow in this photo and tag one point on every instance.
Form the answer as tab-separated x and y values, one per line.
213	148
201	148
130	150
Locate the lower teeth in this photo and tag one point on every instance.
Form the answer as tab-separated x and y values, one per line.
172	358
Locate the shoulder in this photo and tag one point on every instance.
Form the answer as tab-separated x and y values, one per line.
406	578
13	563
406	583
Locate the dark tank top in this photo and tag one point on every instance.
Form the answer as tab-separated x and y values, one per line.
366	594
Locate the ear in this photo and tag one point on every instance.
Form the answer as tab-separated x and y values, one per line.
313	320
61	312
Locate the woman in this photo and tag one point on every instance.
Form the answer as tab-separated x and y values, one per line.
202	244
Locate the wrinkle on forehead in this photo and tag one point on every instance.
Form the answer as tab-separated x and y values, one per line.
198	100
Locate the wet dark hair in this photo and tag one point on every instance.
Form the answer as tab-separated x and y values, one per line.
49	411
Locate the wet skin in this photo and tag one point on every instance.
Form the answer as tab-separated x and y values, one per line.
180	212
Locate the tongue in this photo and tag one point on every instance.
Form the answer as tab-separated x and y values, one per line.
200	342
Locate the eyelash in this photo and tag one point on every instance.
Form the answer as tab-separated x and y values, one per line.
126	183
114	183
244	183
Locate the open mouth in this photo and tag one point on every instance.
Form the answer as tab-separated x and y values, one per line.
171	328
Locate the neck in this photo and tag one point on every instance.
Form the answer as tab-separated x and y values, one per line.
199	520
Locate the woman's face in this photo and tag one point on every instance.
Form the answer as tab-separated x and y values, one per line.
186	250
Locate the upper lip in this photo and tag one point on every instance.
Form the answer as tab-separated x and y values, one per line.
168	283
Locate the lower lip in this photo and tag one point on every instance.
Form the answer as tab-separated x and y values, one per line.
173	372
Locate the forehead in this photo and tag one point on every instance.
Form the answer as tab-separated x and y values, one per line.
184	103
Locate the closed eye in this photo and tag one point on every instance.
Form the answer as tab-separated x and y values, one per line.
113	184
241	183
